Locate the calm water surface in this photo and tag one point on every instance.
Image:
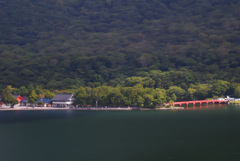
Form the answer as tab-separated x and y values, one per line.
204	134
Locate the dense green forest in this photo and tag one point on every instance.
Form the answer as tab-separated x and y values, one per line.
68	44
137	94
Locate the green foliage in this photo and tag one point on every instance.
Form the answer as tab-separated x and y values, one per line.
33	97
220	87
7	96
173	97
202	91
176	93
160	96
235	102
121	53
49	94
23	91
148	100
237	91
192	92
81	97
138	95
63	44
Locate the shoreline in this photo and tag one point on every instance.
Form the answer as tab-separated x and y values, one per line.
234	102
21	108
65	109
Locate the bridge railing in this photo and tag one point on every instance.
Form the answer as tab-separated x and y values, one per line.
197	102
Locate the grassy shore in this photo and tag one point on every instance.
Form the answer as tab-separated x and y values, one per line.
234	102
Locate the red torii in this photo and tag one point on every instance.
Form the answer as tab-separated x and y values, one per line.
197	102
19	98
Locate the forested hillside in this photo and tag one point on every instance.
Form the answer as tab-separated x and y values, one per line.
64	44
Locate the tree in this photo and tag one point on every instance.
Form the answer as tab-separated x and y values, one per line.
148	100
237	91
115	97
202	90
8	98
49	94
132	81
149	83
32	97
191	93
98	93
175	91
41	96
39	90
173	97
135	95
30	89
160	96
220	87
140	101
23	91
81	97
145	59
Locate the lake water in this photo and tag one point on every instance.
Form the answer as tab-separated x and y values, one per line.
200	134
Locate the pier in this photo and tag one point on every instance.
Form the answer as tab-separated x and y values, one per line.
200	102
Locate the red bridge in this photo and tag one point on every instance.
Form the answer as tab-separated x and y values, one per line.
200	102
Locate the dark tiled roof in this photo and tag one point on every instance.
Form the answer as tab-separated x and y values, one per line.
62	97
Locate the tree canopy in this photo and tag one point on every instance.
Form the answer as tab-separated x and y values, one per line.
7	96
67	44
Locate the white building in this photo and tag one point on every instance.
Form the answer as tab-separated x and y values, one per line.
63	100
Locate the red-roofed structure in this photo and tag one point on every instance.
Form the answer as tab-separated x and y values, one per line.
197	102
19	98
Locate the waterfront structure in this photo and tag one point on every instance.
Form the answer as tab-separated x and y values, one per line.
232	99
63	100
200	102
24	102
45	102
18	97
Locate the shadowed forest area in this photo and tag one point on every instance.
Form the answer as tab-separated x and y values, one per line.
158	44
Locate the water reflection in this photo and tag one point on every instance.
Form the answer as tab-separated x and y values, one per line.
200	133
207	106
19	116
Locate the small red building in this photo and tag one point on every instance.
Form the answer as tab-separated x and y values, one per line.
19	98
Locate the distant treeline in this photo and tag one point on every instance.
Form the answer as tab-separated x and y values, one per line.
65	44
139	92
141	95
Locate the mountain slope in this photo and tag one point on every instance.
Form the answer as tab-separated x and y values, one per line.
79	41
